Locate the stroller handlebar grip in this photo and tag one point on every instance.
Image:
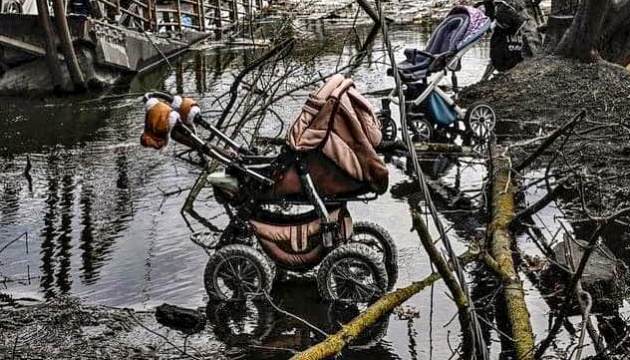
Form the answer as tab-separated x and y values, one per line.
159	95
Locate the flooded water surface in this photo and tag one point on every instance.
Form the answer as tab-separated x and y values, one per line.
94	220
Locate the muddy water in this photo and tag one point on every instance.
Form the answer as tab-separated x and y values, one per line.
95	224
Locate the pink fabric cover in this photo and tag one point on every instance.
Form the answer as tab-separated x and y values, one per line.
351	138
478	20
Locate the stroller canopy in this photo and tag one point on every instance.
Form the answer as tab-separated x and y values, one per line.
338	120
462	26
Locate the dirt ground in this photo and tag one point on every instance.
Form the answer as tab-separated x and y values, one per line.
541	94
66	329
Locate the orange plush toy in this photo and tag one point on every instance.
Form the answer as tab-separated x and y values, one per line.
188	109
158	123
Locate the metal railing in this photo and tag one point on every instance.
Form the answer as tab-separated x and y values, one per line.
176	15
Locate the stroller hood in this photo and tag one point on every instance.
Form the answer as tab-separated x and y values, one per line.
477	25
340	122
462	26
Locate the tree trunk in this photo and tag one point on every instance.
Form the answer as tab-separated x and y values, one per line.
616	35
503	190
583	38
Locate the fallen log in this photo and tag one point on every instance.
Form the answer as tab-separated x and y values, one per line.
503	191
333	344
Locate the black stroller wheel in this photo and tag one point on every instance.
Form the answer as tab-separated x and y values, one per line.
238	272
421	130
388	128
379	240
480	120
352	273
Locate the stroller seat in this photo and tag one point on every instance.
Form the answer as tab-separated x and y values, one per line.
461	27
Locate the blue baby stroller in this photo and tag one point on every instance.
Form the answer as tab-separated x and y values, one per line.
430	110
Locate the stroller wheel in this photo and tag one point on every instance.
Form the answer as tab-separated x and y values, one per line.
352	273
379	240
421	130
238	272
480	120
388	128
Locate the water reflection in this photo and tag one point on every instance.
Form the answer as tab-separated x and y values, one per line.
262	332
89	257
65	237
49	232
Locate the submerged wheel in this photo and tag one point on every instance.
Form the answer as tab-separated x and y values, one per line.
352	273
480	120
388	128
379	240
238	272
421	130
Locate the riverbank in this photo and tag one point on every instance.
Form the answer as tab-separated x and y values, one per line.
64	328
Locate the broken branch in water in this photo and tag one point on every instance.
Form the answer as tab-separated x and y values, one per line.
570	290
503	191
459	297
544	201
349	332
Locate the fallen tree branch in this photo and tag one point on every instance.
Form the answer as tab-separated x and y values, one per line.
569	291
544	201
349	332
502	242
549	141
369	10
586	302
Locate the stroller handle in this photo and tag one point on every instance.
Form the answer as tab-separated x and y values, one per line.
241	149
159	95
218	154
